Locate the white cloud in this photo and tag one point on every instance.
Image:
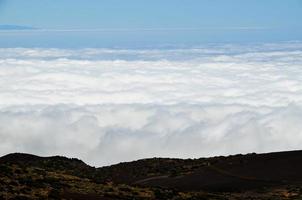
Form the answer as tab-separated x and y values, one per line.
107	106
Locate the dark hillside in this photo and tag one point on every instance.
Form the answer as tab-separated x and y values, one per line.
251	176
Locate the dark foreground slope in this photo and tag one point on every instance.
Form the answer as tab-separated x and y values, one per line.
252	176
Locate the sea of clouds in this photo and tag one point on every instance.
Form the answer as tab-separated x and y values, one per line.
111	105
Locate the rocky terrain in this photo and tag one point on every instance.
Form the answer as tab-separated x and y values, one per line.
251	176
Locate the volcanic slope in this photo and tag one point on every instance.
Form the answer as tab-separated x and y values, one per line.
252	176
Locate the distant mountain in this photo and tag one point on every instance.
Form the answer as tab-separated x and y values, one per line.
239	177
16	27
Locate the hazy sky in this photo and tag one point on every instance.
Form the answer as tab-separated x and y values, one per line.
61	14
177	78
94	23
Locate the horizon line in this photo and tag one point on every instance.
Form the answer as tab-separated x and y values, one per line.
137	29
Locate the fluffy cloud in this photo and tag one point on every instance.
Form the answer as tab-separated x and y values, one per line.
106	106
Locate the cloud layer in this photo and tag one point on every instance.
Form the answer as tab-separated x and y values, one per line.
108	105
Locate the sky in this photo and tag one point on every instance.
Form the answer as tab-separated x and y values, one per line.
113	22
109	81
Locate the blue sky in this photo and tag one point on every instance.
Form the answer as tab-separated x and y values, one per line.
166	21
240	96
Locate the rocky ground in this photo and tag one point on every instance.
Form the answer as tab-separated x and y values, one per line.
253	176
